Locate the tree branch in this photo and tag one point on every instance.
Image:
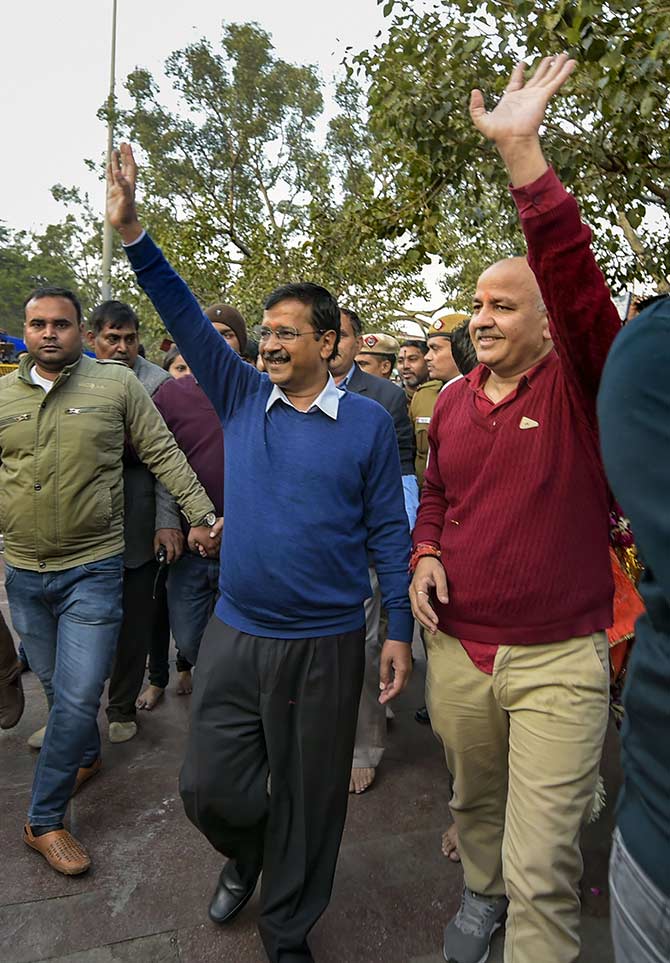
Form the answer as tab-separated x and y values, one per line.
641	252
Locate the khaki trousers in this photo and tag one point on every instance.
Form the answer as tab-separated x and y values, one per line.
523	746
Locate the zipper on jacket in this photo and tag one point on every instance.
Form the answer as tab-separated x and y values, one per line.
79	411
14	418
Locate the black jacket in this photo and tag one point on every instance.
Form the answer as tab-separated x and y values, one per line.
392	398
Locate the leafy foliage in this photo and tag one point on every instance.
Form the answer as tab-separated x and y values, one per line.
240	194
608	137
28	262
243	187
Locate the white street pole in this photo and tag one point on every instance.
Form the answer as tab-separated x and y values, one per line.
107	230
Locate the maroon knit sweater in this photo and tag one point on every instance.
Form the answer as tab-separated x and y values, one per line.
521	513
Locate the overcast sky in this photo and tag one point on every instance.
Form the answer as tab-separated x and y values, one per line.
55	64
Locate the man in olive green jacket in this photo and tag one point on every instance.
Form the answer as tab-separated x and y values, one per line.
63	421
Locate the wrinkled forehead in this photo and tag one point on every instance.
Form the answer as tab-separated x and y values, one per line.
118	329
510	278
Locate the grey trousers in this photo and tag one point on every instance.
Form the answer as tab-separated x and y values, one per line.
371	729
639	911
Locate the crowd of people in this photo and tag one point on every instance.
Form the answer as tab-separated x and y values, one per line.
471	503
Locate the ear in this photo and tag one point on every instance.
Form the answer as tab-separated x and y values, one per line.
546	330
387	367
327	344
90	337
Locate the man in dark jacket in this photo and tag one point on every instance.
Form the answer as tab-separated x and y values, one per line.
371	730
634	415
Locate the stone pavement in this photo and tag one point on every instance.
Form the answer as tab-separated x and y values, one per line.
145	899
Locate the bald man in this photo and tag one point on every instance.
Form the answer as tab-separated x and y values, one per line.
512	579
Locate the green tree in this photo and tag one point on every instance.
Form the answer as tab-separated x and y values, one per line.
26	262
608	137
241	194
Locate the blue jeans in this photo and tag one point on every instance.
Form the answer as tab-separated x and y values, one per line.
192	590
640	912
68	622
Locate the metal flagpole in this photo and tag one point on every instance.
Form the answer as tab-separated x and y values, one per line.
107	230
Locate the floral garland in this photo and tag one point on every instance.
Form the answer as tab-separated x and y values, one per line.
624	551
623	543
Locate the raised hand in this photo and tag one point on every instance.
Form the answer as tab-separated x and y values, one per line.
514	122
520	111
121	178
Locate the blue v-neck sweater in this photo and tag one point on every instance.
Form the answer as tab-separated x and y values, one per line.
306	497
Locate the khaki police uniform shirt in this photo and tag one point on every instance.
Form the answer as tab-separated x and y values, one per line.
420	412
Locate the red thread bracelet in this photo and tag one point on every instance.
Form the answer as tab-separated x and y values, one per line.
423	550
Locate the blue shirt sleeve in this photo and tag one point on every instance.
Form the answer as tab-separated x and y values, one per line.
225	378
388	533
410	488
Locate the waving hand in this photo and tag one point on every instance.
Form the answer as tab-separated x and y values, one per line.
121	178
514	122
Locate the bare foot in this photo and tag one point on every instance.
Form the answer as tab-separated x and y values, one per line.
450	844
184	683
361	779
149	697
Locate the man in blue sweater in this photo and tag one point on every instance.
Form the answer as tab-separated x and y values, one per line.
312	482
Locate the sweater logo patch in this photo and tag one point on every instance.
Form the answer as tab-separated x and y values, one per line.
423	421
528	423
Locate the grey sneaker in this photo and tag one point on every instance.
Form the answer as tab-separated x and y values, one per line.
467	938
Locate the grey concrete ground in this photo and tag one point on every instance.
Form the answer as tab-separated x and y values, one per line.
145	899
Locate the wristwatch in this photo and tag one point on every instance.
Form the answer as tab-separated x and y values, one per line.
209	519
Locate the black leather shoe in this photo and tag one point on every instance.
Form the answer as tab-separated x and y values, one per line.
231	895
421	715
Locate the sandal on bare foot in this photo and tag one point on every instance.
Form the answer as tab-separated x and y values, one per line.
450	844
361	779
184	683
150	697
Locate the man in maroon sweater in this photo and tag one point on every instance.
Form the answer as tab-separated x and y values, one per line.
512	576
193	580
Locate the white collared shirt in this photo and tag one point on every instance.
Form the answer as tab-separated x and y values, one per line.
327	401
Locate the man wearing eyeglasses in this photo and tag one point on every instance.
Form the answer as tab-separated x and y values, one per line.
281	664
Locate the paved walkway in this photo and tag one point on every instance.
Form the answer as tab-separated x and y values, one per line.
145	899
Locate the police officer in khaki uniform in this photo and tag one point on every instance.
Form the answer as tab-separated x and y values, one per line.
377	355
441	369
412	366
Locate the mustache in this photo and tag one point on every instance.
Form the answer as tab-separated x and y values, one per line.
276	356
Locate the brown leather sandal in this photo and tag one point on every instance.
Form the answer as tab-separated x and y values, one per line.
61	850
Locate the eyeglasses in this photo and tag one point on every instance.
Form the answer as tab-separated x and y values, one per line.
285	334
